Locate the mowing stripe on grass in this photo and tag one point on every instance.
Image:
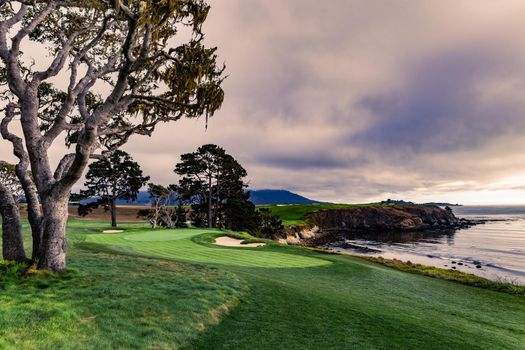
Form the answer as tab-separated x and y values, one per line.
177	244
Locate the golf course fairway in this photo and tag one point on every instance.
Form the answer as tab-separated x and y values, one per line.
174	289
178	244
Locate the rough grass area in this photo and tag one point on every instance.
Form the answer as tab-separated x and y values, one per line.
171	289
294	214
114	302
450	275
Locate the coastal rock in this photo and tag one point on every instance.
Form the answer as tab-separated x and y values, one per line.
387	218
405	222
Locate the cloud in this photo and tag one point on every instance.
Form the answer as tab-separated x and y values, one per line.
359	100
446	104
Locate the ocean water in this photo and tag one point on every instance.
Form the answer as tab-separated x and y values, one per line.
494	250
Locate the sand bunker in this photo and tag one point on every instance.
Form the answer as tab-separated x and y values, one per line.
233	242
113	231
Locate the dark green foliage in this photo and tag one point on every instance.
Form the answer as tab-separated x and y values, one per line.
209	178
271	225
87	208
115	177
109	179
239	214
158	193
198	215
144	213
180	217
74	198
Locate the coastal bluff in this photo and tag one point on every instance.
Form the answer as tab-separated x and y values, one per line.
386	218
330	224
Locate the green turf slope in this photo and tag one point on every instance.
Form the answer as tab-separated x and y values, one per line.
178	244
304	300
172	289
295	214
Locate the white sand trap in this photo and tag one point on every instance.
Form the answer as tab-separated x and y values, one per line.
233	242
113	231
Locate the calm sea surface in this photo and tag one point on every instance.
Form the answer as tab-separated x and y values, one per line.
496	247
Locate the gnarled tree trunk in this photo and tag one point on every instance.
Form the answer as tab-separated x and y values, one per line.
34	212
113	210
54	245
28	185
12	242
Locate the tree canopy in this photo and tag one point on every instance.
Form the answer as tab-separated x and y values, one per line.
125	66
117	177
208	177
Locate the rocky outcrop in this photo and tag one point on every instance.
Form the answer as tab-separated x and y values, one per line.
301	235
387	218
334	224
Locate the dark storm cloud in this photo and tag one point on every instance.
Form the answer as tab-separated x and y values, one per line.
306	161
441	107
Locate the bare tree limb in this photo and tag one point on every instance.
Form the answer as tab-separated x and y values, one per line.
59	60
26	30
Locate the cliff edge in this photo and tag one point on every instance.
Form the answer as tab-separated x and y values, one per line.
386	218
326	225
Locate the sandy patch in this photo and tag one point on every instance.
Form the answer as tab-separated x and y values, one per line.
113	231
233	242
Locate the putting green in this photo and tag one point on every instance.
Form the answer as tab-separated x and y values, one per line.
177	244
159	236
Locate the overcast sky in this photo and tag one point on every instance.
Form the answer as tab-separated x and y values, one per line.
357	101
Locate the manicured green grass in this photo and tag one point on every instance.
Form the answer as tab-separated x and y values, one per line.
294	214
194	295
177	244
114	302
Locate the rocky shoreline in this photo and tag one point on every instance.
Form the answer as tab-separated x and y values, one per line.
331	225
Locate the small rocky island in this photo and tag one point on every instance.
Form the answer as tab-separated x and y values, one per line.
331	224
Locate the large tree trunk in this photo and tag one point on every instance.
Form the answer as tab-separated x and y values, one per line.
34	212
113	210
54	245
12	242
37	229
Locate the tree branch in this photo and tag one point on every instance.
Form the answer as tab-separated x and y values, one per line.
30	27
60	58
64	165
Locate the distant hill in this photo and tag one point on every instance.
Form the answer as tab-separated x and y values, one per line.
143	198
257	197
268	197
